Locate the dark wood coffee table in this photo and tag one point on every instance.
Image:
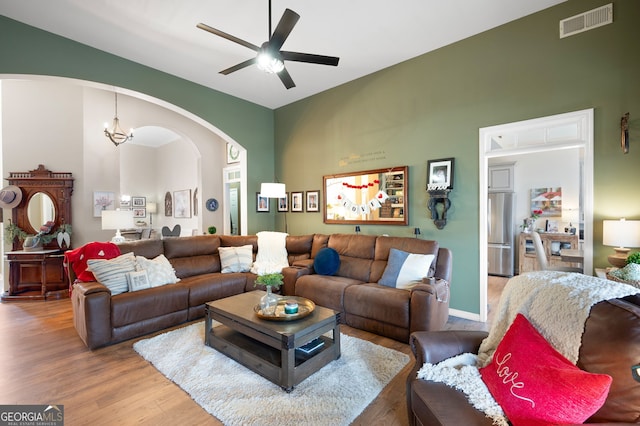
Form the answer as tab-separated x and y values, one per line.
269	347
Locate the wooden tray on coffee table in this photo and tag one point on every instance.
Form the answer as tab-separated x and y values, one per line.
305	307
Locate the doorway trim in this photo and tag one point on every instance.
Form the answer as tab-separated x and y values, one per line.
583	121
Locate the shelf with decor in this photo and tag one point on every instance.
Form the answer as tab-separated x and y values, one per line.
393	185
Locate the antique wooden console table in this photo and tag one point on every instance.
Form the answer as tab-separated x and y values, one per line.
36	275
45	199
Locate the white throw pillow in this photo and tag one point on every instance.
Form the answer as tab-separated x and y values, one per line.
236	259
112	273
272	253
159	270
404	270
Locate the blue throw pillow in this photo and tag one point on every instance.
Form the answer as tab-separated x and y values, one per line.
327	261
404	269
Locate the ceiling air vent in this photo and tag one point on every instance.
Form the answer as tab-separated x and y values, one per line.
586	21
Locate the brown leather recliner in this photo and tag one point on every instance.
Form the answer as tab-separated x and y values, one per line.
610	345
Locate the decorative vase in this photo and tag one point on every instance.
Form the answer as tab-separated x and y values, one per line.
268	303
531	224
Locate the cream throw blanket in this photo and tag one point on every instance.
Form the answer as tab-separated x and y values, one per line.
556	303
272	253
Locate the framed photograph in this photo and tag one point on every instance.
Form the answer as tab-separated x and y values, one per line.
233	153
283	203
262	203
139	212
182	204
313	201
296	202
138	202
103	200
440	174
552	226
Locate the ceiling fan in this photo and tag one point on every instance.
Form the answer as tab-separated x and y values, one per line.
270	58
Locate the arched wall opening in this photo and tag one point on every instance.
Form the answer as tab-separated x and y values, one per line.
59	122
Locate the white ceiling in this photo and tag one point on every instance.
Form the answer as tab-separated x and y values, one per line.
367	35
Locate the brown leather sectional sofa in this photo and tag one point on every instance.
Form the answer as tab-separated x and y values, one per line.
610	345
101	319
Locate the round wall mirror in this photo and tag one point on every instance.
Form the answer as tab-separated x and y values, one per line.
40	210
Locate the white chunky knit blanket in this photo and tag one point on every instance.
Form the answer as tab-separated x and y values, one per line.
556	303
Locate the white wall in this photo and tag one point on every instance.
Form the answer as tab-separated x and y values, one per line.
178	174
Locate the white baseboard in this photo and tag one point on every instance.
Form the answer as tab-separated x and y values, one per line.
464	315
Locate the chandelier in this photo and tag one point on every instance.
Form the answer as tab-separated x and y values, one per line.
116	134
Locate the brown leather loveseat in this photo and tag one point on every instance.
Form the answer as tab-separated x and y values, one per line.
610	345
363	303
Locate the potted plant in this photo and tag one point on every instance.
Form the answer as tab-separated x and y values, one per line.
11	231
269	301
634	258
211	230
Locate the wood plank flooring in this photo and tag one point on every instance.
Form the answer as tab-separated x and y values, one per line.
45	362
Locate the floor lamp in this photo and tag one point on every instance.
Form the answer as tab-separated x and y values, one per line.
274	190
151	209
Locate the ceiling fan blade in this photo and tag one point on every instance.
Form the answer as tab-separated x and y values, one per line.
309	57
286	79
239	66
282	31
228	36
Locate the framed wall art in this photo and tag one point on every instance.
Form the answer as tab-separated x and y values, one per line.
283	203
233	153
440	174
547	200
182	204
168	204
103	200
262	203
296	202
313	204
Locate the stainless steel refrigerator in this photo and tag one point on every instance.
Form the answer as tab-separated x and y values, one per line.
501	223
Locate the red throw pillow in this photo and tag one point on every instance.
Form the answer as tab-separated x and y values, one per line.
535	385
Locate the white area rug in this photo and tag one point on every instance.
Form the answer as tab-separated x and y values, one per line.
335	395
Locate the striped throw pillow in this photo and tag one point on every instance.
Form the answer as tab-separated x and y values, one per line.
112	273
236	259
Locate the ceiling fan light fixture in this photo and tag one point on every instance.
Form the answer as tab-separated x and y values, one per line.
269	62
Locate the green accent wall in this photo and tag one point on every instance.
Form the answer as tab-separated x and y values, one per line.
30	51
429	107
433	106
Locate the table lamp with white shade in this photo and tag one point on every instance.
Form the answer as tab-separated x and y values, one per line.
117	219
622	234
